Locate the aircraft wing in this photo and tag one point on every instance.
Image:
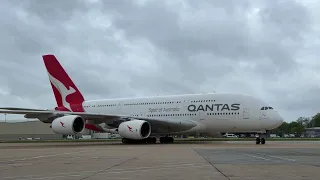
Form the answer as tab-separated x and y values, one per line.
158	125
14	108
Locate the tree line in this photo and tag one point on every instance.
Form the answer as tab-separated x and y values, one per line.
297	127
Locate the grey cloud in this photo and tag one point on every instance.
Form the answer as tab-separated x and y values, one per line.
198	32
27	40
289	18
52	11
220	28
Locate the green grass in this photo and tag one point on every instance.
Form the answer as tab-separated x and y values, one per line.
176	139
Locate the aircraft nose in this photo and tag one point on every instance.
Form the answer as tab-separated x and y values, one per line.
278	119
275	120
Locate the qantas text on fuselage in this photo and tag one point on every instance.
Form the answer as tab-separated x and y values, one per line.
213	107
201	107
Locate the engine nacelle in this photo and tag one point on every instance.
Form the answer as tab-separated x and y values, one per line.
135	129
68	125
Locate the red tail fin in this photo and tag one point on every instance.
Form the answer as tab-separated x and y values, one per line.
67	95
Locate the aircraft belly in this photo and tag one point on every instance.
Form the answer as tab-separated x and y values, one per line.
232	125
219	124
160	127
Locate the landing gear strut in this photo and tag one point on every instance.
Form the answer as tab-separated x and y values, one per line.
261	139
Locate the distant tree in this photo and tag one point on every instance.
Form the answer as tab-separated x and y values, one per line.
283	129
296	128
304	121
315	122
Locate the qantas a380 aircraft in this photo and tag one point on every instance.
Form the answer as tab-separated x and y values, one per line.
147	119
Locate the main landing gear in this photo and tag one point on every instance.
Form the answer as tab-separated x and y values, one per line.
166	139
261	139
149	140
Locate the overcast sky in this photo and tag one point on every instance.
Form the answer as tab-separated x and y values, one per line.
122	48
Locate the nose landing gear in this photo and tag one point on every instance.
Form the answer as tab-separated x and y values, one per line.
261	139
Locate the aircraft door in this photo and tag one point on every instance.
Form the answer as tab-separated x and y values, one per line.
246	113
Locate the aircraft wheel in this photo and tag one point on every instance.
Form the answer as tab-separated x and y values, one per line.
162	140
170	139
124	141
166	140
154	140
263	141
257	140
147	140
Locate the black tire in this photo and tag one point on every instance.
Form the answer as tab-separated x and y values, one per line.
171	139
150	140
263	141
154	140
257	140
162	140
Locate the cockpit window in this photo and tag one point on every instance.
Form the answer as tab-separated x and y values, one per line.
265	108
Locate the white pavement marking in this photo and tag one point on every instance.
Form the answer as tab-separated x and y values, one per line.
258	157
279	157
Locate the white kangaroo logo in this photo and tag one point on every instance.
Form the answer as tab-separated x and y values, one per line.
64	92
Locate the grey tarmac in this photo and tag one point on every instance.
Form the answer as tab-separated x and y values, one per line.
196	161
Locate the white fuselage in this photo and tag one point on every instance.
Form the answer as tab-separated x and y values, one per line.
216	112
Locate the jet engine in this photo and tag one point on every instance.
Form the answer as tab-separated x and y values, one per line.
135	129
68	125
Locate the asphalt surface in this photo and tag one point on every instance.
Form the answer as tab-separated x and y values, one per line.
196	161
